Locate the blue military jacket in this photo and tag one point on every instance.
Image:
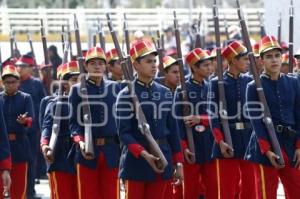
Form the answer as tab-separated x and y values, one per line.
64	142
197	96
235	94
102	103
44	102
156	103
13	106
283	99
35	88
5	158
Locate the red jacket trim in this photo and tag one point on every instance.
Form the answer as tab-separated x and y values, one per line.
135	149
218	135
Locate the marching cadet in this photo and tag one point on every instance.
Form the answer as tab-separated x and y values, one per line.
283	98
197	89
96	177
171	80
18	115
297	56
285	64
35	88
114	65
143	179
62	178
259	65
171	73
227	170
5	157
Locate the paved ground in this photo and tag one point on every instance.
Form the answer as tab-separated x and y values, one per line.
44	192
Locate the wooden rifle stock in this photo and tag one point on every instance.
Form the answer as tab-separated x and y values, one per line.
142	122
267	119
186	108
221	84
88	136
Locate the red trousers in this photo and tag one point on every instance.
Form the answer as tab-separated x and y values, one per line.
193	185
99	183
173	191
269	179
18	176
146	190
62	185
222	177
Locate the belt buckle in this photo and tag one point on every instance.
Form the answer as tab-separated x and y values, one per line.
12	137
100	142
279	128
239	126
200	128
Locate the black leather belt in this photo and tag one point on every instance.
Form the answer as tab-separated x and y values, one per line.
285	129
240	125
104	141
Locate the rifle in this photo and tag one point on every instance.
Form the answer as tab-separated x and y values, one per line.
94	40
101	35
88	136
126	33
279	29
160	54
70	40
262	27
143	126
0	60
198	42
267	119
291	37
63	37
46	58
58	108
221	85
226	28
11	40
35	70
186	108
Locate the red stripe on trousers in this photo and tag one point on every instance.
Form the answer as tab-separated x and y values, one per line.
99	183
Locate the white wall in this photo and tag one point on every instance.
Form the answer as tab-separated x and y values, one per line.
272	10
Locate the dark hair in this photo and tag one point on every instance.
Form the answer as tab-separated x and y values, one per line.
112	62
9	75
262	54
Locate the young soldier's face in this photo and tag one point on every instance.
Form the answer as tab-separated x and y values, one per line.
70	82
173	75
203	69
11	84
147	66
259	65
284	68
272	61
95	67
242	64
116	68
24	70
298	62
